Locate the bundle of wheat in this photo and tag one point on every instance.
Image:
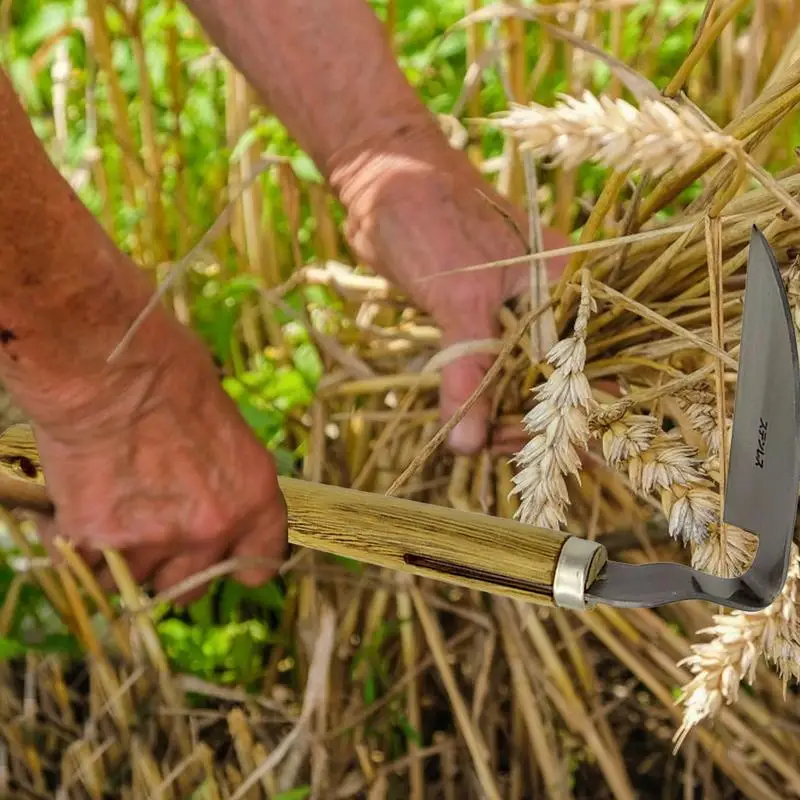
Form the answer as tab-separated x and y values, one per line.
372	684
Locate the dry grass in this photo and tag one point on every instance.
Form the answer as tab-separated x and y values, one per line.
510	701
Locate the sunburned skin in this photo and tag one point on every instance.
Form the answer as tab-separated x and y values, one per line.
415	206
66	292
145	454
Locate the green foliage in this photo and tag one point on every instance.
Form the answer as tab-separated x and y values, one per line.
226	634
299	793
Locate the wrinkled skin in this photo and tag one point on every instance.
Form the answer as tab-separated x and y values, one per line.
150	456
421	208
216	495
172	511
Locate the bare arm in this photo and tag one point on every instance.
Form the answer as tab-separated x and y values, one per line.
325	69
144	455
67	294
415	207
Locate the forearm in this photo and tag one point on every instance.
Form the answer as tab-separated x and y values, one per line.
67	294
326	70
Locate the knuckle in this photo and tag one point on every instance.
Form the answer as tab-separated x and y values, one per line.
212	522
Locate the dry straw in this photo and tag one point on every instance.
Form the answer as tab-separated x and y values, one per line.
657	462
533	705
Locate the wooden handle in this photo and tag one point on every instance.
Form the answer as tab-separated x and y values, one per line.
477	551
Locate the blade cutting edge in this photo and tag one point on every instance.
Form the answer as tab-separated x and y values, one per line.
764	464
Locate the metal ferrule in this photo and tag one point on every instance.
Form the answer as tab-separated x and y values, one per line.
578	566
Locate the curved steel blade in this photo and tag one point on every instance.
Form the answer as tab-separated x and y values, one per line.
764	465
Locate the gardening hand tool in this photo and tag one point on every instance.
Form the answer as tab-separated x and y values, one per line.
549	567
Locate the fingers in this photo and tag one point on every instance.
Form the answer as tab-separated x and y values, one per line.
186	567
517	278
460	379
508	439
49	530
475	321
260	549
263	546
266	548
145	561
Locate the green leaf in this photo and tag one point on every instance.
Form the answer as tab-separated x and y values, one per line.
308	363
265	421
305	169
250	137
201	110
10	648
285	460
230	601
269	595
288	390
201	611
299	793
350	564
22	79
241	655
217	310
370	689
49	19
63	644
409	730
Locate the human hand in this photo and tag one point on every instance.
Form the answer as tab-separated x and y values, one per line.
161	467
417	208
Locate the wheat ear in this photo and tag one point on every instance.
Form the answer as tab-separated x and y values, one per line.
699	407
656	137
659	463
737	642
739	639
558	425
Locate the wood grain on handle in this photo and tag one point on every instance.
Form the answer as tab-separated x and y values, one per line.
473	550
487	553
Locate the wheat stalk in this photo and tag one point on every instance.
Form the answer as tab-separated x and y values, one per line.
558	425
657	137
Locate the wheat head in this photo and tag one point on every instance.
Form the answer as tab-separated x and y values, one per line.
558	425
657	137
